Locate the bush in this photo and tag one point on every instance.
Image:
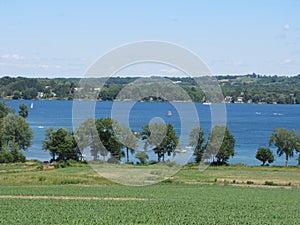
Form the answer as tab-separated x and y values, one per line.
113	160
264	155
40	166
6	157
61	164
270	183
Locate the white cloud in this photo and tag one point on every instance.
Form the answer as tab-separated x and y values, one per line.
12	56
170	70
286	61
234	63
43	66
287	26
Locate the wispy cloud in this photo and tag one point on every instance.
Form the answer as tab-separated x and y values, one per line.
39	66
287	26
286	61
12	56
279	36
170	71
234	63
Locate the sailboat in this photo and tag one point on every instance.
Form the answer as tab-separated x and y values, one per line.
31	105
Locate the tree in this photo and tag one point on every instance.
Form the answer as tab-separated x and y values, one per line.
221	144
142	156
16	135
61	144
101	137
127	138
286	142
162	138
264	155
23	110
4	110
108	138
197	140
87	136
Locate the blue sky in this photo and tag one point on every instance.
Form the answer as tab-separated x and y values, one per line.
62	38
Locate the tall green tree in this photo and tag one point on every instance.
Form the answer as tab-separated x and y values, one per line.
264	155
16	135
108	138
61	144
220	144
127	138
23	110
161	137
101	137
86	135
286	142
5	110
197	141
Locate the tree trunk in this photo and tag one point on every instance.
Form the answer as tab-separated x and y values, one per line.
286	159
127	154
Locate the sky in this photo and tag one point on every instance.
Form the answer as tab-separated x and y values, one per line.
61	38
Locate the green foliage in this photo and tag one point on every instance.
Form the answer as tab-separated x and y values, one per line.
108	138
23	110
197	140
102	139
264	155
61	144
127	138
4	110
286	142
16	135
252	87
220	145
161	137
142	157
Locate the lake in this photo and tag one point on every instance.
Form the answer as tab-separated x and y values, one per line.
251	124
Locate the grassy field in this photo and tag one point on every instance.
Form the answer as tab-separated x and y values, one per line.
77	195
30	174
289	176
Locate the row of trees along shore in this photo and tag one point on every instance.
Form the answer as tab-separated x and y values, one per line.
111	141
118	141
251	88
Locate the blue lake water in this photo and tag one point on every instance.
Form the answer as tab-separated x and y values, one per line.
250	124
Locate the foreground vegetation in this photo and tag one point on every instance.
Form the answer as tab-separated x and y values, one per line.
33	193
162	204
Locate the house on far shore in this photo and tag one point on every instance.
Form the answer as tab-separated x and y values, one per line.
239	100
228	99
40	94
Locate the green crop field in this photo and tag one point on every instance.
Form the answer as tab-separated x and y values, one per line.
218	195
161	204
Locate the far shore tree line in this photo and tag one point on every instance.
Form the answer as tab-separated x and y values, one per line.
251	88
108	140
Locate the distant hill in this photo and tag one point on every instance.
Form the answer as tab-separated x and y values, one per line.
250	88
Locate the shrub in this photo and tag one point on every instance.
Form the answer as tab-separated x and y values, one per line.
270	183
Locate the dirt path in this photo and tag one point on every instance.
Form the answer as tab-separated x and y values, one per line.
70	198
